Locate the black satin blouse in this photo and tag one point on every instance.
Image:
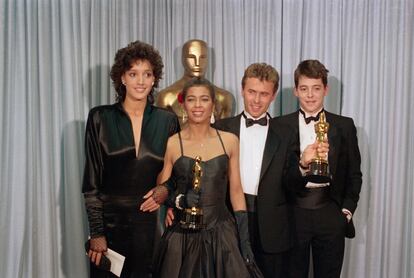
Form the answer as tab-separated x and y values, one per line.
115	178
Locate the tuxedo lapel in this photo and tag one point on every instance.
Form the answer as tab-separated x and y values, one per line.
271	146
295	119
234	125
333	141
292	120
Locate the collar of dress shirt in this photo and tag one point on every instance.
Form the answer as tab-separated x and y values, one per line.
310	115
251	117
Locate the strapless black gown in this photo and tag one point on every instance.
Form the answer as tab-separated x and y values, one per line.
212	251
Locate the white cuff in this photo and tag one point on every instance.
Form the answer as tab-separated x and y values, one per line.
302	171
177	201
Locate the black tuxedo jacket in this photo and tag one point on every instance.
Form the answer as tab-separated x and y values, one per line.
344	159
272	208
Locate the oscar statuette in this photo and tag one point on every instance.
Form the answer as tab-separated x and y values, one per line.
319	167
193	217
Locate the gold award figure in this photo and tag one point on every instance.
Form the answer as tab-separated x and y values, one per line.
193	217
194	59
319	167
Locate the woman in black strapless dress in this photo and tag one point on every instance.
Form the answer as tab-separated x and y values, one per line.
221	248
125	145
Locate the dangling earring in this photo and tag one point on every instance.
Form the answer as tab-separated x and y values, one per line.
184	117
212	118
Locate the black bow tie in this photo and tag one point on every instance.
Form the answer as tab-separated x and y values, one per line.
311	118
250	122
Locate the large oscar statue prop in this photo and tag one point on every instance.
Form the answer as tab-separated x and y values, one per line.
194	59
319	167
193	217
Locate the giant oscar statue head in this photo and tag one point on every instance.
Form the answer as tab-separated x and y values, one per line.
195	59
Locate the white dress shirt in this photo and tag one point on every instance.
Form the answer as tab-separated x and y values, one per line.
252	144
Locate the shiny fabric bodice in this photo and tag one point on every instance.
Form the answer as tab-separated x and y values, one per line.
115	178
213	186
112	165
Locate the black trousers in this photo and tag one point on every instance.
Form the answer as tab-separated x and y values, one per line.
323	230
131	234
272	265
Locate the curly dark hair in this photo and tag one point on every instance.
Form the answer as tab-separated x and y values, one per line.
125	58
199	82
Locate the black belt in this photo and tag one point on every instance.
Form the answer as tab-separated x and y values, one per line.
250	202
313	198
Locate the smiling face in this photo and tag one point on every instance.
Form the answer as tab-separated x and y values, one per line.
194	58
138	80
311	93
257	96
198	104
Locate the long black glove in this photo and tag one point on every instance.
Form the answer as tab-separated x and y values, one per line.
244	240
179	200
190	199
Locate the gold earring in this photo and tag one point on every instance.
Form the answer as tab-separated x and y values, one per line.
183	114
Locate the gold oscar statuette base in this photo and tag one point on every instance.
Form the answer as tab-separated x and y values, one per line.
192	219
318	171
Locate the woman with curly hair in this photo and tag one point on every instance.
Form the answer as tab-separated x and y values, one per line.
125	144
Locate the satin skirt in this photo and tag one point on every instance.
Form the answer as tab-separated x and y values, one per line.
207	253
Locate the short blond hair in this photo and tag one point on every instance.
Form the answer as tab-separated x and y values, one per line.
263	72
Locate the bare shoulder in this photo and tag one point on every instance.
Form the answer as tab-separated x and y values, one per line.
225	135
173	147
229	139
173	140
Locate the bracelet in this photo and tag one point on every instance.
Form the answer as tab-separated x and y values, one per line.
177	201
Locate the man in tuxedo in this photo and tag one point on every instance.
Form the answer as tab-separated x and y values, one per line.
263	152
322	211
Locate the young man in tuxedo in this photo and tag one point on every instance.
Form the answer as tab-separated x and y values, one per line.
263	153
322	211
